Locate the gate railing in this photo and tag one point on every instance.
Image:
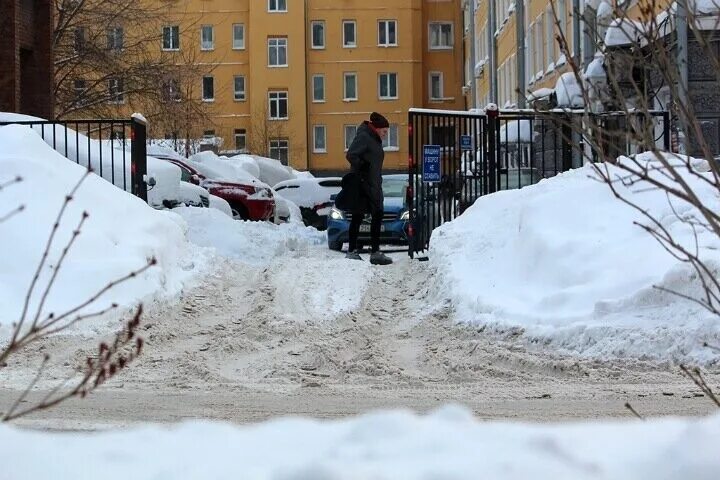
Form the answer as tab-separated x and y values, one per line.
113	149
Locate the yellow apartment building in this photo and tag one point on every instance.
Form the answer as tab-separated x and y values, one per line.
293	78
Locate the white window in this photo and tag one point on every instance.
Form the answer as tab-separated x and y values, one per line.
280	149
350	86
390	142
238	36
207	37
319	139
171	90
550	38
441	36
539	61
387	33
171	38
277	52
436	86
240	139
318	88
116	92
387	88
208	88
277	5
350	131
349	34
278	103
318	34
115	38
239	88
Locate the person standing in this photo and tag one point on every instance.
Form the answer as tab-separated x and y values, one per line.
366	157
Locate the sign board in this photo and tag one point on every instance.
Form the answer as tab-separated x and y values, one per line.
431	163
465	142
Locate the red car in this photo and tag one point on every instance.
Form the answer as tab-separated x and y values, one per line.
248	202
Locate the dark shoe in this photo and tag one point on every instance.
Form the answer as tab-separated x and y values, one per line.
353	255
379	258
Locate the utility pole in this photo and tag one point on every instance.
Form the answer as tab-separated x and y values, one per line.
492	47
470	10
681	30
520	34
577	58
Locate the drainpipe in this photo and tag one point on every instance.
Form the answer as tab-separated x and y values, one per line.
492	47
681	30
520	58
576	33
470	5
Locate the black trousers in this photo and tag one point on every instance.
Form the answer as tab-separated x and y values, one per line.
357	218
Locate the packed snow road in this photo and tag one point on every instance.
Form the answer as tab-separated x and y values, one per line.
316	335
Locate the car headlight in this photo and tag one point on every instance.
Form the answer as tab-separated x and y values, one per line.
336	214
405	215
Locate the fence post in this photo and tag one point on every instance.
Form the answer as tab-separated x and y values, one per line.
666	130
567	135
138	156
492	113
412	172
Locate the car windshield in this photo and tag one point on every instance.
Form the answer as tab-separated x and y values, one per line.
394	188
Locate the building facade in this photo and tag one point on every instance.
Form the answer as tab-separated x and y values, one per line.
26	57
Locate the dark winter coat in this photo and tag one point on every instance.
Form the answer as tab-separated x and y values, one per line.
366	156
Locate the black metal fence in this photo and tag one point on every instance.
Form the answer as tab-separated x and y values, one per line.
456	157
113	149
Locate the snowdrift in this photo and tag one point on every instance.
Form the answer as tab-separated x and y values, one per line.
564	261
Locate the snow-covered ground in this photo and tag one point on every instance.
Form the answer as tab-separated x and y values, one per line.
564	261
447	444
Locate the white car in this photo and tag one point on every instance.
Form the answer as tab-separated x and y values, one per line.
313	195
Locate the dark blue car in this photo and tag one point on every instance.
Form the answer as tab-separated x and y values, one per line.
396	217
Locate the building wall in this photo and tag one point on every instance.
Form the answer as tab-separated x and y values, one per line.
26	61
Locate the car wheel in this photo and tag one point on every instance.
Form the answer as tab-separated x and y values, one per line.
240	213
336	246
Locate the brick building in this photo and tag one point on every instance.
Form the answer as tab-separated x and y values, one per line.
26	60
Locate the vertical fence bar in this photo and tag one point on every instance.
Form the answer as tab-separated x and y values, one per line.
138	157
666	130
493	136
411	186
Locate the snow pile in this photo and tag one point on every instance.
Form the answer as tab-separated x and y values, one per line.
255	243
219	168
272	171
624	32
247	163
568	91
516	131
443	445
119	236
564	261
308	192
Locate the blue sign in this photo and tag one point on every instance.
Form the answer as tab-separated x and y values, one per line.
431	163
465	142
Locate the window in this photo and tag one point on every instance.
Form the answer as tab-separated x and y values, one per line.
436	86
280	150
115	38
239	88
171	90
277	5
238	36
349	34
207	37
79	90
350	131
387	33
209	134
208	88
318	88
240	136
116	92
441	36
318	34
171	38
350	90
319	137
550	38
278	105
277	52
539	61
388	86
80	40
390	142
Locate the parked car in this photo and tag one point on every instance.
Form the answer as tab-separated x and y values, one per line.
396	217
313	195
247	201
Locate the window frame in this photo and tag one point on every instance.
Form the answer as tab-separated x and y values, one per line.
278	47
386	31
119	97
212	84
441	24
322	77
380	84
440	76
279	147
354	43
345	95
279	99
390	147
234	37
240	133
274	6
313	24
203	29
315	138
172	29
112	38
348	142
236	91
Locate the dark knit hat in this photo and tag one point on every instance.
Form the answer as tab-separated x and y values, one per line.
378	121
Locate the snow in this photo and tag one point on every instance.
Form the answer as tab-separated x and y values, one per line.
219	168
624	32
604	11
254	243
540	93
515	131
596	68
119	236
220	204
307	192
562	60
569	93
445	444
190	194
272	171
247	163
564	261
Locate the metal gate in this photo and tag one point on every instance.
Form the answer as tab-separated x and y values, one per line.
449	167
